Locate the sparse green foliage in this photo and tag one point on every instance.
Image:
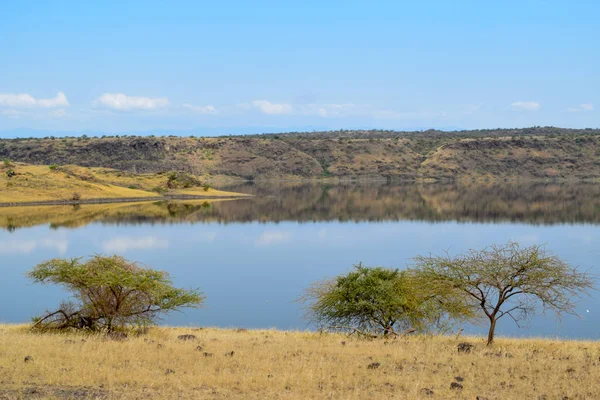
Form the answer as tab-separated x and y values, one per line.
53	167
7	163
110	293
181	180
159	190
10	173
507	281
206	187
378	300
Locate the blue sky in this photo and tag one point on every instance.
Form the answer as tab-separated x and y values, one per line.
220	67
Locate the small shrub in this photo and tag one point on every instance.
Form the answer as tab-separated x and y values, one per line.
76	196
206	187
8	163
159	190
181	180
53	167
10	173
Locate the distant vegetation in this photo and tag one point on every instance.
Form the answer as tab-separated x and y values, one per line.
537	153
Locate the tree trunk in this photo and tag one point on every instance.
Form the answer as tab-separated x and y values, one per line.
491	331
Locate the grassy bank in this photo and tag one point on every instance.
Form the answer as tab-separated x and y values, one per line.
41	183
258	364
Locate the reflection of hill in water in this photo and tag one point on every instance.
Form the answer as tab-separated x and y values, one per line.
532	203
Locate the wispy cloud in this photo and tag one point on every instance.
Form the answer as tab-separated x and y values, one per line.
125	243
266	107
472	108
24	100
582	108
61	112
272	237
525	105
201	109
123	102
331	110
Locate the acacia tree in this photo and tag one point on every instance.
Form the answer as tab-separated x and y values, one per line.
377	300
508	281
110	292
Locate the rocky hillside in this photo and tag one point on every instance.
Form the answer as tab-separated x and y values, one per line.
532	154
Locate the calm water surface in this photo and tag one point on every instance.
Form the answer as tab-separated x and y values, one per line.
253	257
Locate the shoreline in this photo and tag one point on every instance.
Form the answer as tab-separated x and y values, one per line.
499	340
108	200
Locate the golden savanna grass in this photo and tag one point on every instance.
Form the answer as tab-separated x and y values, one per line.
33	183
269	364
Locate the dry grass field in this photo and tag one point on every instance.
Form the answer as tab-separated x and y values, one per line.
34	183
269	364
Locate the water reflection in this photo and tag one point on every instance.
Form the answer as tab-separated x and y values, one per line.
253	257
528	203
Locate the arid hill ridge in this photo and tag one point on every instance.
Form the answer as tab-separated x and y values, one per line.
539	153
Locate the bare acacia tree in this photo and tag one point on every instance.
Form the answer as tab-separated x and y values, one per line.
508	281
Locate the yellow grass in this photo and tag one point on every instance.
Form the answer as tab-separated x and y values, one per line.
269	364
39	183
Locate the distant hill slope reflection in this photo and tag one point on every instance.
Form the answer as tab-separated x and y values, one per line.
274	202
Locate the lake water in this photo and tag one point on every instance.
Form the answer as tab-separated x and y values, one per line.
253	257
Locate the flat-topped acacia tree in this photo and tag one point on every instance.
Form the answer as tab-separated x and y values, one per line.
110	293
508	281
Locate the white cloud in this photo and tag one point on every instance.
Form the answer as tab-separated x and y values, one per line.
349	109
472	108
272	237
587	107
266	107
201	109
525	105
120	101
28	246
61	112
582	107
125	243
24	100
331	110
